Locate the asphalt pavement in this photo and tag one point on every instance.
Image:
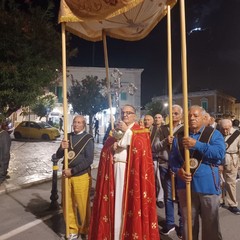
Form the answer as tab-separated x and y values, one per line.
25	203
31	163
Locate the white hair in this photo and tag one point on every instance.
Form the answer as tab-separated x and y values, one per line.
225	122
179	107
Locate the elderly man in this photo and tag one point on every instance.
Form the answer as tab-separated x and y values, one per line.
154	132
148	121
162	148
231	163
80	147
207	151
124	203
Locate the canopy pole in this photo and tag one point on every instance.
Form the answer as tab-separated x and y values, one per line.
169	37
107	77
185	111
65	111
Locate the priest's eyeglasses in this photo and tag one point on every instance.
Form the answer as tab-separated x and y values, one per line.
127	113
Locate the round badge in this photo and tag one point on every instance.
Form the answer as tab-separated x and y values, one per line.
193	163
71	155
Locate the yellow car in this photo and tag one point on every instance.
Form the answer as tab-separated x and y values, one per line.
36	130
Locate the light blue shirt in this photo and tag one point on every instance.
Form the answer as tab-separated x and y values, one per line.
206	178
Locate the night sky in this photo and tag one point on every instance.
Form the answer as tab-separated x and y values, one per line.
213	50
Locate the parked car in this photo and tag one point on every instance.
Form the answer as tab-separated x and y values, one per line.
36	130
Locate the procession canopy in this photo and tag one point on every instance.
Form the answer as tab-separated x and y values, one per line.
128	20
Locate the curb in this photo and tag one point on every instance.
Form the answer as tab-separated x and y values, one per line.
8	187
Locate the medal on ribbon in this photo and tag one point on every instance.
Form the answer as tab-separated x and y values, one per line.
193	162
71	155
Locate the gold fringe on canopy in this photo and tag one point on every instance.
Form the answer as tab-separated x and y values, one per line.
133	21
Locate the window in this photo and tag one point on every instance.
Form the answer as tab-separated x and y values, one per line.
59	94
204	103
189	103
123	96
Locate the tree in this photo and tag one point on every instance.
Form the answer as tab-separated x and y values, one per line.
30	49
153	108
44	104
86	98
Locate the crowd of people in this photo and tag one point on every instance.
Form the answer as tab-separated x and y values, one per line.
136	171
143	170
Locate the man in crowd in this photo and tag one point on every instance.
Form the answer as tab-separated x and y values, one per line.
207	151
80	147
5	144
231	163
124	203
162	147
148	121
61	124
158	119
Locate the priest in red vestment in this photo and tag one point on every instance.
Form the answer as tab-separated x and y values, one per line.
125	204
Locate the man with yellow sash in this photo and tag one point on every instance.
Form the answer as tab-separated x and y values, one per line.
80	147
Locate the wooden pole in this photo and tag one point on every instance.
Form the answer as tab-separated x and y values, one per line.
169	37
65	111
107	77
185	111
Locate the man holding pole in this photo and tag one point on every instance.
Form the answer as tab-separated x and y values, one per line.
207	151
80	147
162	148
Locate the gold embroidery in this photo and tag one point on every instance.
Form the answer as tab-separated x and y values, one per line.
154	225
134	150
105	219
135	236
140	213
144	194
149	200
106	177
146	176
145	130
131	192
130	213
105	197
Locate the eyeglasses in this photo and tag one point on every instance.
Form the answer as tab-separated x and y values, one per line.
175	113
127	113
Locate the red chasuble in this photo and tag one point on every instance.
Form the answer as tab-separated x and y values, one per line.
139	201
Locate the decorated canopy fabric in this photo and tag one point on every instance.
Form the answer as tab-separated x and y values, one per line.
128	20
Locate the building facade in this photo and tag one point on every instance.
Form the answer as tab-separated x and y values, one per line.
128	76
213	101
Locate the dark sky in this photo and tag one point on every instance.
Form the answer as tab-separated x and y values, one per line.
213	50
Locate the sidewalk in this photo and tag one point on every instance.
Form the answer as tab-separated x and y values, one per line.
31	164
